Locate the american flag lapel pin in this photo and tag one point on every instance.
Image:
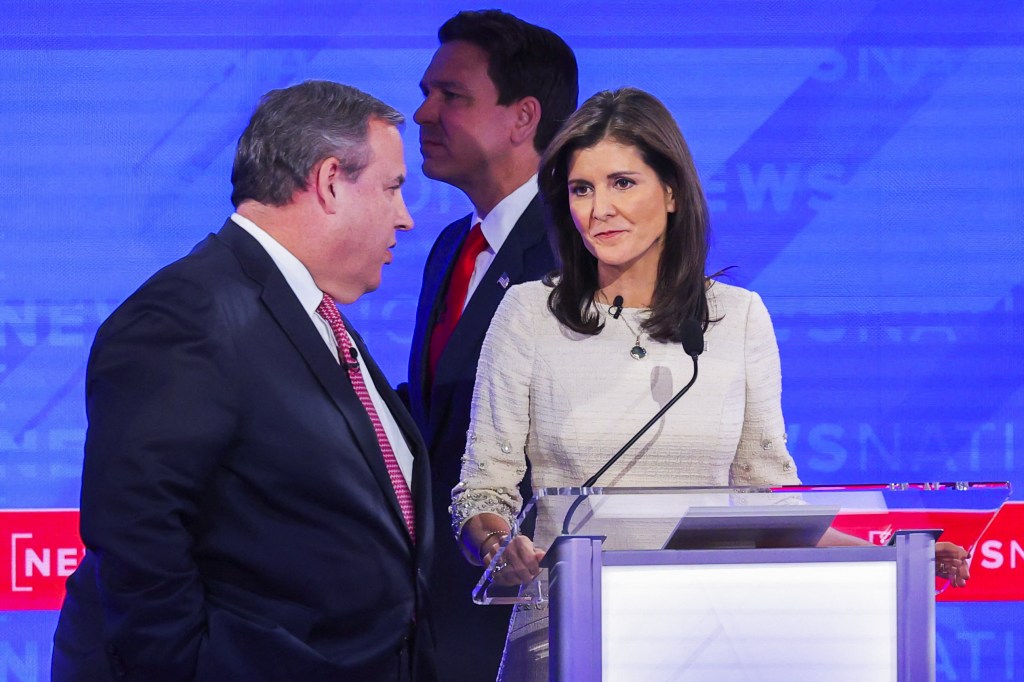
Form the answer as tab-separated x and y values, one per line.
504	280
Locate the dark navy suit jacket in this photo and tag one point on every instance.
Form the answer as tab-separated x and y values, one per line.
469	637
238	516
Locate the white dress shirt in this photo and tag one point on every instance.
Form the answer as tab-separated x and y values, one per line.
496	226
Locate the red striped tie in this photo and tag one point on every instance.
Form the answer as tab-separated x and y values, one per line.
329	311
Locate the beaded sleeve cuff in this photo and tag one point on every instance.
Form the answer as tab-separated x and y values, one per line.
468	503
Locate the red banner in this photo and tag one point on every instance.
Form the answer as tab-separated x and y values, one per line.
997	561
39	549
997	548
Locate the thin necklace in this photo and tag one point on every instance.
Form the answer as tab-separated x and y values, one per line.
637	352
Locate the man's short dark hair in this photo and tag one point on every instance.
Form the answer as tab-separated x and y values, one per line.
295	128
523	61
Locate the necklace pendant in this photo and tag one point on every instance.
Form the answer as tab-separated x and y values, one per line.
638	352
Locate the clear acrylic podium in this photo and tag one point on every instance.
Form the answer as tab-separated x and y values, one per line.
744	583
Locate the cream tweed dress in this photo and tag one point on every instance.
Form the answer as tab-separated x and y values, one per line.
568	401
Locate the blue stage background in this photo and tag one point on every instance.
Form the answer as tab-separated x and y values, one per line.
864	164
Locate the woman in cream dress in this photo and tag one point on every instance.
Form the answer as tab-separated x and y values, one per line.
565	382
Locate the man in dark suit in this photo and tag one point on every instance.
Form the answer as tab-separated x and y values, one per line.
495	93
251	508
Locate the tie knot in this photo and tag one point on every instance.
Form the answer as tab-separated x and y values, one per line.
327	308
475	240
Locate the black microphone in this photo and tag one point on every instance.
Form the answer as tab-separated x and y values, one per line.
616	308
693	339
693	345
354	355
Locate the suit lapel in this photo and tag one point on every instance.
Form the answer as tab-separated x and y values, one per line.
446	252
284	307
420	485
508	264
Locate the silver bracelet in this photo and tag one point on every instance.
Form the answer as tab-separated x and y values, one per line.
480	550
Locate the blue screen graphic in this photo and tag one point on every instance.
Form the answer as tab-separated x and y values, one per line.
863	162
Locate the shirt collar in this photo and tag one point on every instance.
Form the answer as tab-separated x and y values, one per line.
295	273
499	222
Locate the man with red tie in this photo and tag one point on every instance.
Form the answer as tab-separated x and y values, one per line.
495	93
255	498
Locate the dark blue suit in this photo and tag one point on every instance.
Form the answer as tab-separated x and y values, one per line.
238	515
469	637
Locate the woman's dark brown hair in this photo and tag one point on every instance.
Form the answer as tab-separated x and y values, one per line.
635	118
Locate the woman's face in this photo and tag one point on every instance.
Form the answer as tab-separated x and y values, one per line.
620	208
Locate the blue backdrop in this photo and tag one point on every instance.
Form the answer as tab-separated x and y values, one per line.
864	164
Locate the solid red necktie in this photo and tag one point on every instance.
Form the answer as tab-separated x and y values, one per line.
329	311
455	298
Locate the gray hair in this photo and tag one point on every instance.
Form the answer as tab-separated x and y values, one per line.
295	128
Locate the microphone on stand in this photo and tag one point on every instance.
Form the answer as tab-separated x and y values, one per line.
693	345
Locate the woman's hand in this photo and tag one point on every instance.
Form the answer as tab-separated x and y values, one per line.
951	563
485	534
519	564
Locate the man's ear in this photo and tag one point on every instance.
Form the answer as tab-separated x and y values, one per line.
326	177
527	118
